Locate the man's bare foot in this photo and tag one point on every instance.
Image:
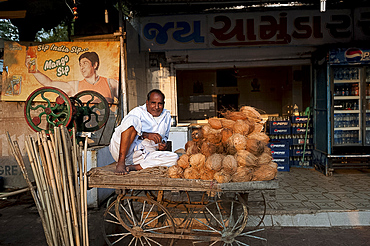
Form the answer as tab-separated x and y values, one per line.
121	170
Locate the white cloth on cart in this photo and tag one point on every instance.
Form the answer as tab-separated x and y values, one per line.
144	152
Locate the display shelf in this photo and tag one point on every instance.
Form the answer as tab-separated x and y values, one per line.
347	111
346	97
342	81
351	128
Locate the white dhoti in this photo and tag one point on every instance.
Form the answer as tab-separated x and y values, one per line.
147	155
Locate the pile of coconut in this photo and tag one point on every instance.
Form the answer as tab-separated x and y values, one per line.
230	149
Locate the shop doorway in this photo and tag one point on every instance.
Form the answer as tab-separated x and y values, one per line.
227	102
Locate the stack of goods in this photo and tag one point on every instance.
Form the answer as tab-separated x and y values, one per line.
230	149
60	194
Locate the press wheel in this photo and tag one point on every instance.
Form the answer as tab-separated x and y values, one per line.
46	108
92	111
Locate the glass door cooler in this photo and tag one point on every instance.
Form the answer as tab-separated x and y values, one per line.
346	106
342	108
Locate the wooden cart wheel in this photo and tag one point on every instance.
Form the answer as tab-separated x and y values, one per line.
256	205
113	231
147	221
222	223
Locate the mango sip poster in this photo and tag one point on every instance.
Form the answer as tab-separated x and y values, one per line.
69	66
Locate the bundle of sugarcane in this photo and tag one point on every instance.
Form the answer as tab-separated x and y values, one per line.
61	182
230	149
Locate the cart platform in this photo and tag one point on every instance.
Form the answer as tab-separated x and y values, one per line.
157	179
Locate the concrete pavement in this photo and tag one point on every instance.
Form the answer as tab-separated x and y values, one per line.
308	209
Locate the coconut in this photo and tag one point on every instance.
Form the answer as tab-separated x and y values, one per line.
226	133
207	174
215	123
197	161
258	127
226	123
238	141
191	148
254	146
191	173
183	161
243	174
208	148
176	172
229	164
211	135
245	158
267	150
214	162
222	177
234	115
264	159
220	148
196	135
230	149
251	113
273	164
259	136
241	127
264	172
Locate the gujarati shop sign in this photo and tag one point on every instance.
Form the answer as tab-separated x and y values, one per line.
211	31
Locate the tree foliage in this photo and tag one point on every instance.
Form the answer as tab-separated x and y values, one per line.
8	31
56	34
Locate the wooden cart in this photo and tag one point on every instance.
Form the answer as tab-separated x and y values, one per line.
152	209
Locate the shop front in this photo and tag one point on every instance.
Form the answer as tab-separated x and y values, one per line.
206	63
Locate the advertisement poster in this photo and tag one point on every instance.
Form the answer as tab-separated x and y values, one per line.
69	66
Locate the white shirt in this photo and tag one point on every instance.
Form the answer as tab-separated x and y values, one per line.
142	121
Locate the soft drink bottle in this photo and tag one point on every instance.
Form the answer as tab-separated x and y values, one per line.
31	53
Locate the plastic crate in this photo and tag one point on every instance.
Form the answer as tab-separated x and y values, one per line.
279	124
278	145
279	130
299	119
283	167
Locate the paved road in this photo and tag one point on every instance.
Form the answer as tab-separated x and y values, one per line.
20	224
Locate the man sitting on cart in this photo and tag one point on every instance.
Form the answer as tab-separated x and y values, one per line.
140	140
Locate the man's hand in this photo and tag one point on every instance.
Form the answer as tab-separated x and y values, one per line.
162	146
153	136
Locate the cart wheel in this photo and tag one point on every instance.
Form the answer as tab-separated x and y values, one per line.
256	205
114	233
147	221
46	108
223	223
92	111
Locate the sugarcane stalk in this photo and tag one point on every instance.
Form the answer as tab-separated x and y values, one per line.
39	187
18	156
85	194
47	195
77	185
62	225
70	182
58	147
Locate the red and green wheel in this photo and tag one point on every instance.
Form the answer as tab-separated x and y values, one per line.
46	108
